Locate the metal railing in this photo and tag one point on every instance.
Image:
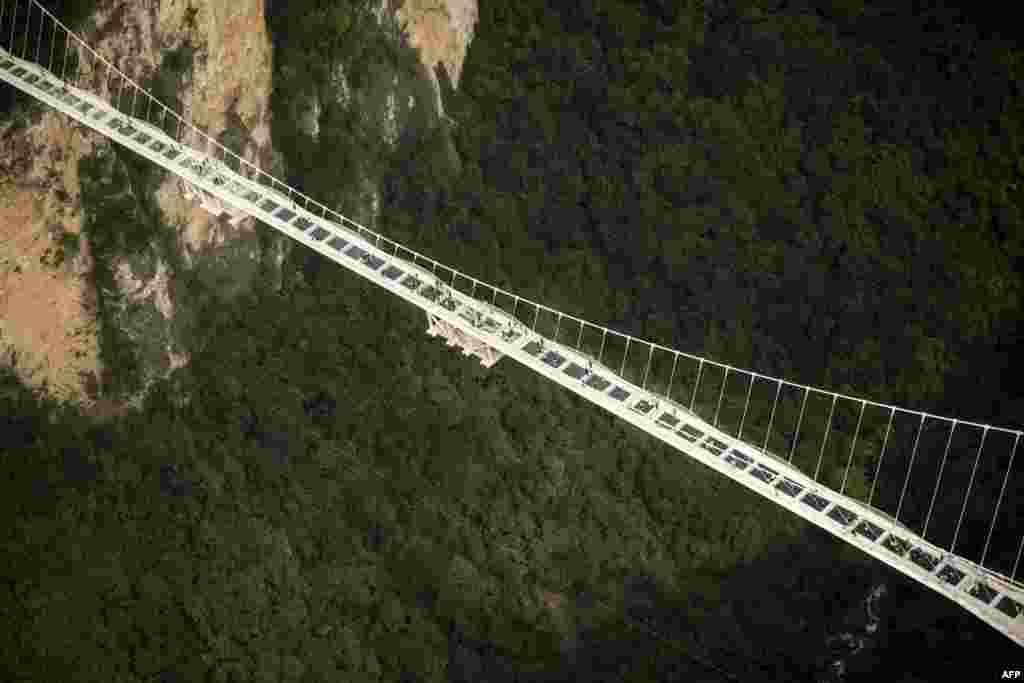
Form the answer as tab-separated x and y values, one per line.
833	437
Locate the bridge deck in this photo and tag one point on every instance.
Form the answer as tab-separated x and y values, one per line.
995	599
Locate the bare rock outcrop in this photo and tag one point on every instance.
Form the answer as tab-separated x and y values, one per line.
441	31
47	324
49	331
230	79
48	327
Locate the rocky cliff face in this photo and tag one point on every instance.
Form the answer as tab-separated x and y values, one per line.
216	60
49	329
47	324
441	31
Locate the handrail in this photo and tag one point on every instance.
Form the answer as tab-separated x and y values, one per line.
376	240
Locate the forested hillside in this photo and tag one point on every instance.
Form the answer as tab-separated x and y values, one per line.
827	191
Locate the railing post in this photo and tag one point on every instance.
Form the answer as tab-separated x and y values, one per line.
967	495
604	336
746	405
53	43
771	417
721	395
1016	562
799	421
536	316
622	368
558	326
79	65
64	61
856	433
824	441
910	467
39	43
101	82
938	481
28	22
672	376
881	456
650	357
14	22
1002	490
693	399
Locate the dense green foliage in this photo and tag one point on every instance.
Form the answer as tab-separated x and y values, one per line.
325	494
122	221
314	39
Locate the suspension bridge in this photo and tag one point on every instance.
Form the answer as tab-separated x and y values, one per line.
936	507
